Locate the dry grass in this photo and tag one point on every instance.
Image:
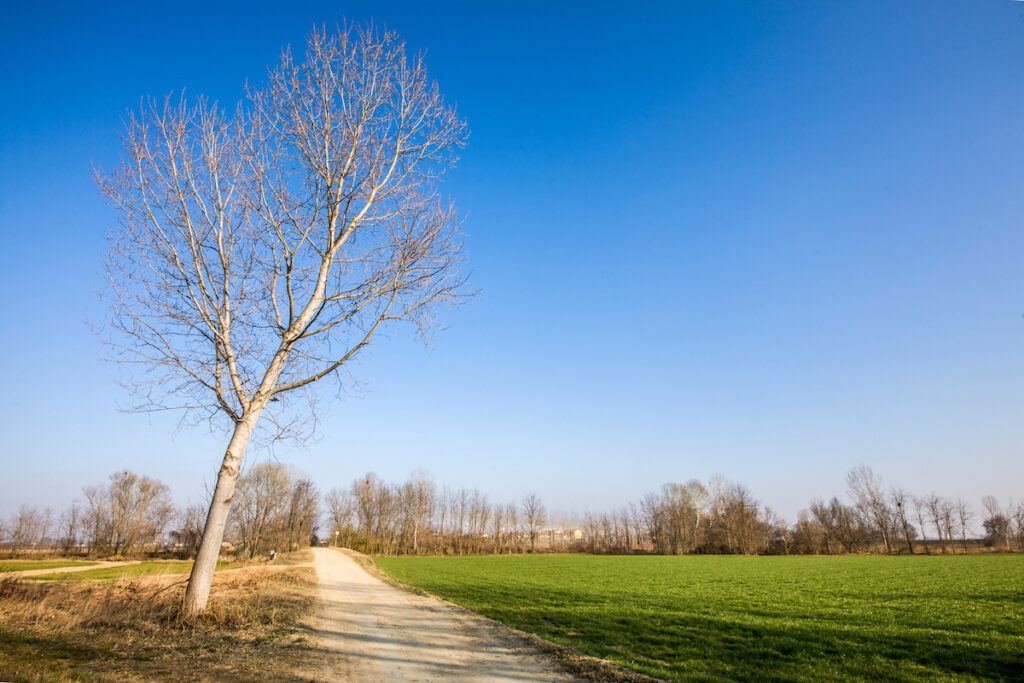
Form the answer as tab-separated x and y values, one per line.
131	629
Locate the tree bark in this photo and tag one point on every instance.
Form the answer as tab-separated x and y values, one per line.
198	592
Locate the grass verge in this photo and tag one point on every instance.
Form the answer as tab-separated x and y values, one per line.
130	630
125	571
31	565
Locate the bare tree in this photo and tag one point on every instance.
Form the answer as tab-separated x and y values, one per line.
1017	524
498	527
947	518
341	507
742	527
512	524
535	515
263	496
683	506
822	524
70	530
920	510
261	250
27	529
140	510
868	497
901	501
935	506
128	514
366	493
302	514
420	492
964	515
460	504
189	529
996	522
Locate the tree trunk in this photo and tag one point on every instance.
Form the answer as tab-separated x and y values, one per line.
198	592
906	534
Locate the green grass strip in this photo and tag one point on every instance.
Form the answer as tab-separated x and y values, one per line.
125	571
30	565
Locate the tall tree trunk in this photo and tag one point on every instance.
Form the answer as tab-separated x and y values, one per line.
198	592
906	535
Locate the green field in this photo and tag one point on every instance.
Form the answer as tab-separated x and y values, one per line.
124	571
754	618
29	565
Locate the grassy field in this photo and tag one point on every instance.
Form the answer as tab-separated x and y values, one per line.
754	618
125	571
29	565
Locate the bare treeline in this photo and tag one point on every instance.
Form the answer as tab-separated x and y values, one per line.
27	529
279	508
416	517
892	520
276	507
128	515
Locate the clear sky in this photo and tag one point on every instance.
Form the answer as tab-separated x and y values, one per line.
763	239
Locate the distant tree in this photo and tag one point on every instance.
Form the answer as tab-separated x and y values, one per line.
869	500
460	505
417	506
479	514
901	501
948	520
498	527
302	513
341	508
189	530
936	508
807	535
624	522
1017	524
996	523
512	523
535	515
27	529
964	515
128	514
823	524
70	528
656	522
684	514
367	493
262	498
261	250
997	530
920	513
746	530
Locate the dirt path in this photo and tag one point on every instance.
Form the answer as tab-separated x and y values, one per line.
62	570
383	633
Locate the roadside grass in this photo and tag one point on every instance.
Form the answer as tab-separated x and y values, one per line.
126	571
30	565
290	559
130	629
294	558
753	618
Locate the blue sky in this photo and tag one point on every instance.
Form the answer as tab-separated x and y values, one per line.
767	240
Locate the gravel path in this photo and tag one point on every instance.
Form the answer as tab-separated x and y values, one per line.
383	633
